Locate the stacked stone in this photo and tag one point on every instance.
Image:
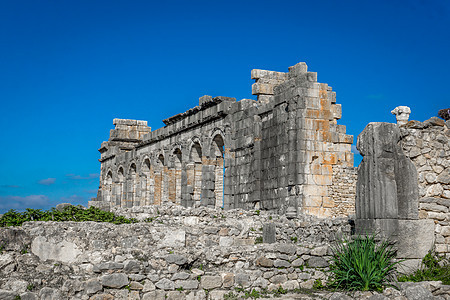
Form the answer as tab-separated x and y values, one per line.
197	253
427	144
315	143
241	173
265	81
182	252
343	191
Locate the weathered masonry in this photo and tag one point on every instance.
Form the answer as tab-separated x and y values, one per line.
283	151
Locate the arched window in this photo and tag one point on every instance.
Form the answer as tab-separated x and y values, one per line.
120	188
131	186
107	188
194	169
218	156
145	183
175	177
159	179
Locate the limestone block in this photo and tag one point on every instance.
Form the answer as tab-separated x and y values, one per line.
264	262
298	70
317	262
225	241
63	251
210	282
269	233
281	278
418	292
281	263
176	259
174	238
420	238
165	284
26	296
186	284
445	231
116	280
93	286
227	279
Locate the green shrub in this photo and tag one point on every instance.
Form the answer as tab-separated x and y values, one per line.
362	264
318	284
433	268
69	213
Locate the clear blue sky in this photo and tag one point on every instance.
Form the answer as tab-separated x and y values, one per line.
67	68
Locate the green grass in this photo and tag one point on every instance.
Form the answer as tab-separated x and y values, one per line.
70	213
362	264
433	268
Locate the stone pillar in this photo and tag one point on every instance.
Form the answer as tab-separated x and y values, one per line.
387	194
218	182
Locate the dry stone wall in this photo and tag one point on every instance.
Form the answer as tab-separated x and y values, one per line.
427	144
283	152
181	254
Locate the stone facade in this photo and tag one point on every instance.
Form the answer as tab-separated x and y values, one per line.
284	151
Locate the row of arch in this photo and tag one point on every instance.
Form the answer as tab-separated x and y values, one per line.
191	180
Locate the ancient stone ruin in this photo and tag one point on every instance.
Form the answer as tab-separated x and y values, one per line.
284	152
281	169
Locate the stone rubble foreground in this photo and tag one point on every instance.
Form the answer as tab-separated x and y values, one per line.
195	253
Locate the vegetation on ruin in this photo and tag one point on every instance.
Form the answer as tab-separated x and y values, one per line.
433	268
362	264
69	213
444	114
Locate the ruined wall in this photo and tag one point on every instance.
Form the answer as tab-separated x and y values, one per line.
184	253
284	151
427	144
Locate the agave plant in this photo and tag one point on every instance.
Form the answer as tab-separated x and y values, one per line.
362	264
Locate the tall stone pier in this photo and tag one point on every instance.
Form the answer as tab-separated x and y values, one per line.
387	194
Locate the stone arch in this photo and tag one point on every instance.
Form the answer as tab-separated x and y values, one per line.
146	182
195	155
120	187
107	187
194	173
159	178
217	159
175	176
131	183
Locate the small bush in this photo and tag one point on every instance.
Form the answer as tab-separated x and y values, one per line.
433	268
362	264
69	213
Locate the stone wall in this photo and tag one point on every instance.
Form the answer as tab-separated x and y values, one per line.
180	254
427	144
282	152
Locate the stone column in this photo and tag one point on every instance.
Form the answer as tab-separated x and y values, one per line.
387	194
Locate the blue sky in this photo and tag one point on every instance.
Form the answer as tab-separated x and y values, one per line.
67	68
